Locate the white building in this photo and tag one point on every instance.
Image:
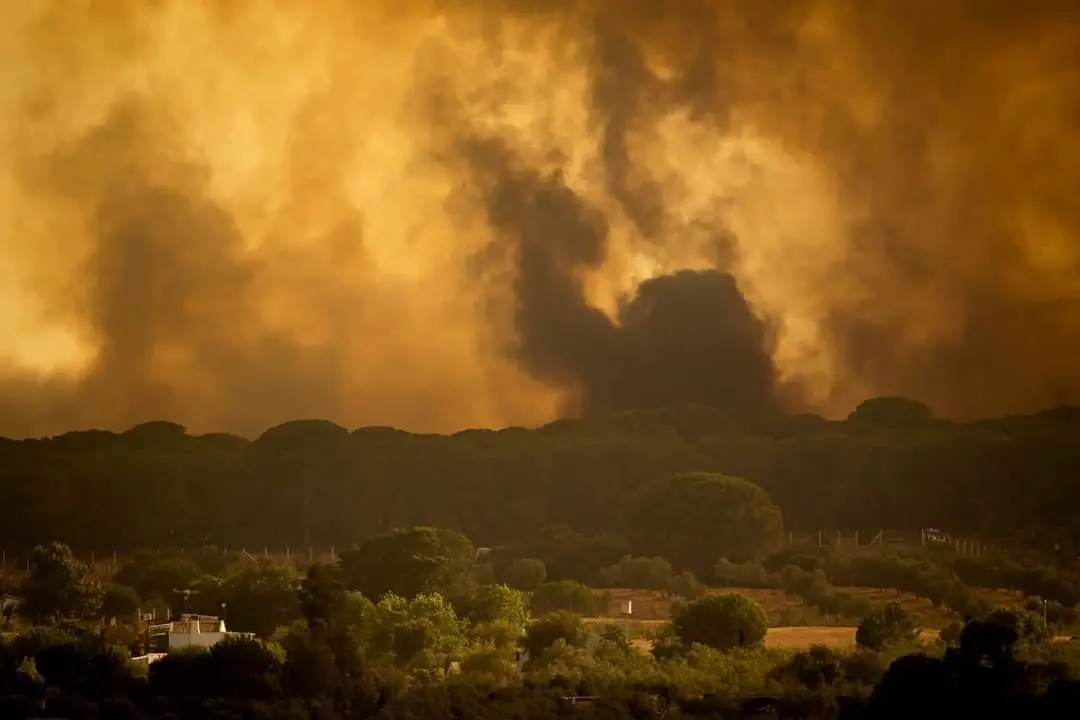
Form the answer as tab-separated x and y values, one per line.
189	631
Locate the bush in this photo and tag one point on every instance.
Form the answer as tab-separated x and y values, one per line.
640	573
119	601
497	603
950	634
525	574
686	586
722	622
887	625
564	595
749	575
1030	628
549	629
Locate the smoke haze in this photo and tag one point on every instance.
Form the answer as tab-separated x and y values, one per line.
438	215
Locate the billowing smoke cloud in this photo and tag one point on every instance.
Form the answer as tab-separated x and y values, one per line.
437	215
687	337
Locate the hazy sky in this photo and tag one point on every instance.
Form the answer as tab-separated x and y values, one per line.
437	215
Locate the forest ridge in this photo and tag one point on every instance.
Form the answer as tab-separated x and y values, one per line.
890	464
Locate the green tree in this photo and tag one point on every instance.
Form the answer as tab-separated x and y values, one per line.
525	574
323	597
261	598
885	626
119	601
549	629
410	562
1029	626
697	518
891	413
722	622
499	603
564	595
59	585
641	573
686	586
160	575
423	630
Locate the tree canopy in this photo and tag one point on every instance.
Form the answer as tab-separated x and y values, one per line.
694	519
890	465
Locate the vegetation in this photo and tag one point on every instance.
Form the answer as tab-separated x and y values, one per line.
885	626
722	622
335	653
479	575
315	483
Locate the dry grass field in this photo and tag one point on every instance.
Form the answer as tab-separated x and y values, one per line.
786	610
802	638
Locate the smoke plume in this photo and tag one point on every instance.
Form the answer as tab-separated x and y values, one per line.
438	215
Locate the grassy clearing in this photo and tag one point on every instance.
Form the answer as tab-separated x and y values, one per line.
788	610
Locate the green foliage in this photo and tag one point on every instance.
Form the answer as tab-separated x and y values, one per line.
58	585
422	630
564	595
1029	626
639	573
499	603
886	625
891	413
261	597
749	575
411	562
160	575
694	519
525	574
686	586
950	634
721	622
570	555
323	598
119	601
546	631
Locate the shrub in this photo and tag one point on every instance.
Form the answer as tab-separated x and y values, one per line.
549	629
721	622
564	595
498	603
1030	628
525	574
885	626
119	601
950	634
749	575
640	573
686	586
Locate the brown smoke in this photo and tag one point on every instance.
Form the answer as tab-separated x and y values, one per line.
437	215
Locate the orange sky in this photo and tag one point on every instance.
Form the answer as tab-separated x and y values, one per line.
229	215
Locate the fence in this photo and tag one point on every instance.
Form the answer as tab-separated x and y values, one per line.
104	565
880	540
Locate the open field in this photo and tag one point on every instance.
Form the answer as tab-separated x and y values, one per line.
802	638
785	610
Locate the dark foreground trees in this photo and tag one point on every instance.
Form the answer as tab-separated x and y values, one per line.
888	466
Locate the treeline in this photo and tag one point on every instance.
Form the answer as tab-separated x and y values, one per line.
891	464
435	643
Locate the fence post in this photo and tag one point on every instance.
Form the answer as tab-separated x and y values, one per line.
819	538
